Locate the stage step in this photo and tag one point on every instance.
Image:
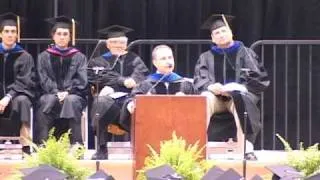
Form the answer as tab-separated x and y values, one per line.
119	151
123	169
10	148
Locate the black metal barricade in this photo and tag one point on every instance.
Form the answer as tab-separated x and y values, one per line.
290	106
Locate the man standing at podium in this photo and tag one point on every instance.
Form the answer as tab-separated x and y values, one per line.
230	77
164	81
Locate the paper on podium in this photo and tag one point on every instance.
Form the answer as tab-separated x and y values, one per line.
234	87
117	95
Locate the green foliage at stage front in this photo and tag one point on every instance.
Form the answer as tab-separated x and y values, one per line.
186	160
59	154
305	160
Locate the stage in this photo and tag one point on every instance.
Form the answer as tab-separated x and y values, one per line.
122	169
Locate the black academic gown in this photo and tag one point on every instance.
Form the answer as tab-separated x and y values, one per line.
156	84
62	70
18	80
106	110
235	64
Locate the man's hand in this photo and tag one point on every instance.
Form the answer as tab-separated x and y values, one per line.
130	83
225	93
215	88
131	106
62	95
4	103
107	90
180	93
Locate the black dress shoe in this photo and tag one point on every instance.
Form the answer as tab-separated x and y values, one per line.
100	155
250	156
26	150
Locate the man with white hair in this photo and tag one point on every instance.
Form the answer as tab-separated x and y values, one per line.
122	71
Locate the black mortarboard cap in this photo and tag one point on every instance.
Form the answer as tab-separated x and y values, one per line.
256	177
64	22
11	19
60	21
8	18
216	21
164	172
43	172
230	174
282	172
100	175
213	173
314	177
115	31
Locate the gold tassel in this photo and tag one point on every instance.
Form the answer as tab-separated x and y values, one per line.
73	32
18	29
225	21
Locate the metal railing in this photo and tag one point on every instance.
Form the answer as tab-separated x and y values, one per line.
186	52
288	107
35	46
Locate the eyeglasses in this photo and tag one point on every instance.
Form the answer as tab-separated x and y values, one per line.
10	31
118	42
62	33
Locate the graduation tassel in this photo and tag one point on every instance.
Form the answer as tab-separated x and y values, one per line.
225	21
18	29
73	32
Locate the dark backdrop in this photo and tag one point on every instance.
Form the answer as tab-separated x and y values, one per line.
177	19
255	19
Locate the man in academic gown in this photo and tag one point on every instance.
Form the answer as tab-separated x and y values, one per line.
120	72
17	78
230	62
164	81
62	72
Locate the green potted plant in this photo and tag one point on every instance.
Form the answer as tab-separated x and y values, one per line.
58	153
185	159
305	160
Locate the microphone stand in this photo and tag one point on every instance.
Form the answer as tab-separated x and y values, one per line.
96	70
157	82
160	80
245	117
96	82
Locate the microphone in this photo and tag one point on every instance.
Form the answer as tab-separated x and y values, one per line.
94	50
245	70
115	62
169	65
97	69
155	84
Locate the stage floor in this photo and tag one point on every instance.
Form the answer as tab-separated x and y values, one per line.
122	169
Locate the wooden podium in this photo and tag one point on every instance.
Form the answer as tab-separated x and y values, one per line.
157	116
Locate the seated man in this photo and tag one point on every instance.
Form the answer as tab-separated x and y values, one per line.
17	78
121	71
164	81
231	78
62	72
